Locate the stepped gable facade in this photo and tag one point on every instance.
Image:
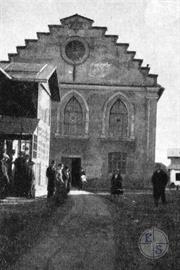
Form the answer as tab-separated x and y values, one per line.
106	118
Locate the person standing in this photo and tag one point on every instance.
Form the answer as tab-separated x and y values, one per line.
66	178
159	182
4	178
29	190
116	183
83	177
19	175
51	176
69	180
32	190
60	185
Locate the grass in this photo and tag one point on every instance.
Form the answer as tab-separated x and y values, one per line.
134	213
22	225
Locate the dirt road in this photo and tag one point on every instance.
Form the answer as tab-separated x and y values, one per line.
82	240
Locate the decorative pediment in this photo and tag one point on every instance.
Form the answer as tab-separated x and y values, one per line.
85	54
76	22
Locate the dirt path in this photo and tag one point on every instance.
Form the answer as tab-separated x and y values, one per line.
82	240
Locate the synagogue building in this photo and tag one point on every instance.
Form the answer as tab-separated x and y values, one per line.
93	104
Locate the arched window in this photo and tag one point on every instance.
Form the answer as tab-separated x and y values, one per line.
118	119
73	118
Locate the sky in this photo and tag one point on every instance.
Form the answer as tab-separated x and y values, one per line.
151	27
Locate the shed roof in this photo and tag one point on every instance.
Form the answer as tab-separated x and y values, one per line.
173	153
28	71
38	72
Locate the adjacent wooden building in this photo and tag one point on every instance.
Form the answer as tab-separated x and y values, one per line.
26	92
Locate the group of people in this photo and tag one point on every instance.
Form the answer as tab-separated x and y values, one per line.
59	181
22	178
159	181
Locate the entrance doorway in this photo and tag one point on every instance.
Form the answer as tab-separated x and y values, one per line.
74	164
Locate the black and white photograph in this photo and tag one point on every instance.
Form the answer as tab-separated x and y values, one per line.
89	135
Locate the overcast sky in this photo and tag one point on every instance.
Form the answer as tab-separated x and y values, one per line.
151	27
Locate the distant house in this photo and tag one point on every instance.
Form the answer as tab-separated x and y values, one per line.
174	167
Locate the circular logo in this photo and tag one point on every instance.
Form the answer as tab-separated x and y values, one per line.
153	243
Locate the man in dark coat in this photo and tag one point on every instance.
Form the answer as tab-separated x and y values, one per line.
19	175
116	183
51	175
159	181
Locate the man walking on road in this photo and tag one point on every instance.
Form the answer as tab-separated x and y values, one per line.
159	181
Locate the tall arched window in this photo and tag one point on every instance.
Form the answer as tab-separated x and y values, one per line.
118	119
73	118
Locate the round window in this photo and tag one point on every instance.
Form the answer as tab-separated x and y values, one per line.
75	50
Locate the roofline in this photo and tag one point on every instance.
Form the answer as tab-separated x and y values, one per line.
41	70
4	62
30	79
5	73
145	68
100	27
103	85
76	14
50	74
160	92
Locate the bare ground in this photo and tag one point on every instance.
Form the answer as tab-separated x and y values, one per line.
82	240
97	232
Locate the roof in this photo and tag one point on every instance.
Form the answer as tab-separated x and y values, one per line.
76	16
28	71
17	125
161	90
37	72
174	167
173	152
